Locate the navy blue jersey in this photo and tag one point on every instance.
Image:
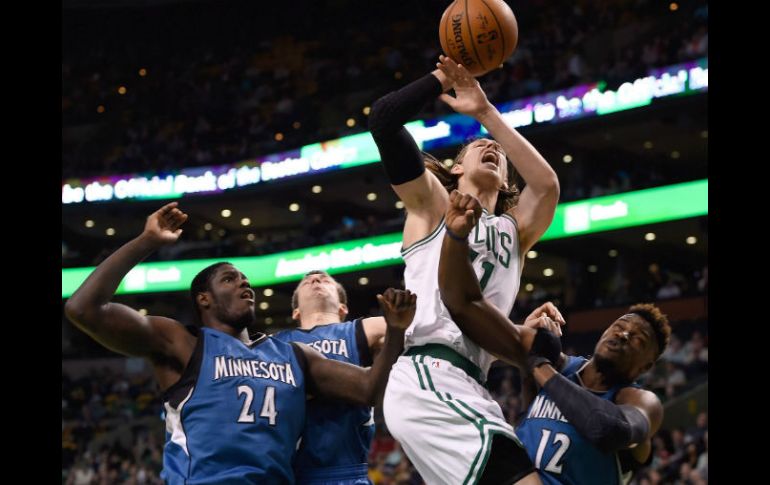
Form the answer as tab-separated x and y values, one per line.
559	453
337	436
236	414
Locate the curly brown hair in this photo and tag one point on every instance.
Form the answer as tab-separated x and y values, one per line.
506	198
657	320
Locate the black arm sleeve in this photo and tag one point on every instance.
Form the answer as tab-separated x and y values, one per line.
546	347
608	426
399	153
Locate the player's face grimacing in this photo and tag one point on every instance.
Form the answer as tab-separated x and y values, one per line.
629	344
484	162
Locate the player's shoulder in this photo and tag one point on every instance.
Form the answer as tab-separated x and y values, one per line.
634	393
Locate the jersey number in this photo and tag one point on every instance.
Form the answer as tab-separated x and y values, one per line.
268	405
553	466
486	265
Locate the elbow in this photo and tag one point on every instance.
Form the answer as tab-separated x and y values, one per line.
551	187
79	313
74	310
610	439
378	122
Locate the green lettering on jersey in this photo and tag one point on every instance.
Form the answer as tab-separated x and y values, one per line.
492	240
505	261
476	234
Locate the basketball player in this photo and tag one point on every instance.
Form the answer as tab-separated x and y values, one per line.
335	443
455	432
589	422
235	407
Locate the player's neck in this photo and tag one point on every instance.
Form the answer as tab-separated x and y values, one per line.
593	379
487	198
318	318
240	334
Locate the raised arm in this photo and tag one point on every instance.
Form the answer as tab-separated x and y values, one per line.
119	327
480	320
537	202
365	386
421	192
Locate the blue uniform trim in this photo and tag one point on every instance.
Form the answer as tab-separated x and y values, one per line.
337	474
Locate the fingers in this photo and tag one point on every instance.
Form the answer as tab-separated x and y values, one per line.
409	299
465	202
553	312
174	218
454	196
475	205
553	327
178	222
167	208
452	102
547	323
396	300
470	218
455	71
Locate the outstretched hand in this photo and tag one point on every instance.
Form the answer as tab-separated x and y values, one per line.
163	225
470	98
398	307
463	212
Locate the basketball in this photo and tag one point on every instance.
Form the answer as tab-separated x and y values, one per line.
479	34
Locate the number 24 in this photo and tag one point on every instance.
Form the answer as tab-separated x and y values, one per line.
268	405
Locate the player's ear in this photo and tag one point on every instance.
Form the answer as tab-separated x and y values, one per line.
295	314
203	299
343	311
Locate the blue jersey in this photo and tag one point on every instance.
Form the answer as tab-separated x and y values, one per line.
559	453
337	436
236	414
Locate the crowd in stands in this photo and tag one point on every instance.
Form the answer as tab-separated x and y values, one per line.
215	95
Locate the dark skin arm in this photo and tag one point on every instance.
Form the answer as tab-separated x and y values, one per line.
644	401
479	319
527	395
163	341
364	386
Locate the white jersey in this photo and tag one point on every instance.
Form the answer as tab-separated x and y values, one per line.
494	252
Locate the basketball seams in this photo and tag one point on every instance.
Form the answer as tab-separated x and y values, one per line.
500	28
470	35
